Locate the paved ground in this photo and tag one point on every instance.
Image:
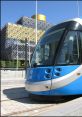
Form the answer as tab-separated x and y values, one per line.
15	101
72	108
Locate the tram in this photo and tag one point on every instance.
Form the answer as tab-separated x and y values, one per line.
56	63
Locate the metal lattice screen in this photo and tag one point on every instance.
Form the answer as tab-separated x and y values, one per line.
17	52
18	41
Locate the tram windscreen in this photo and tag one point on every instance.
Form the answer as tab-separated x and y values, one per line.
46	48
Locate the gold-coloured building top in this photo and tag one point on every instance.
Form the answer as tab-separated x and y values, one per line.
39	17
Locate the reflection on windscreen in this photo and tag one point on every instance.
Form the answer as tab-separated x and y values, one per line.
45	50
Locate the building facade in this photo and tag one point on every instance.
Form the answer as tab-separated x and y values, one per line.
18	40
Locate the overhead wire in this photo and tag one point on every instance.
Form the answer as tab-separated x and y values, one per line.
36	22
77	8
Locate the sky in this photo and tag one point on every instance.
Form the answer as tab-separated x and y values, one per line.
55	11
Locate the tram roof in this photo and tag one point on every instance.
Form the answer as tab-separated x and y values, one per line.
79	20
62	24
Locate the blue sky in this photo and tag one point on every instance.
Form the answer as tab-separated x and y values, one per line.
55	11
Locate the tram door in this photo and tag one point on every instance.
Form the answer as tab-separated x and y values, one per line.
68	59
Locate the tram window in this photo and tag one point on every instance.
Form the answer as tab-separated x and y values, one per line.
81	38
46	53
69	53
81	45
45	50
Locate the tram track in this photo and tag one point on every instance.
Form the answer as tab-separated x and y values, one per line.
32	111
26	108
32	107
